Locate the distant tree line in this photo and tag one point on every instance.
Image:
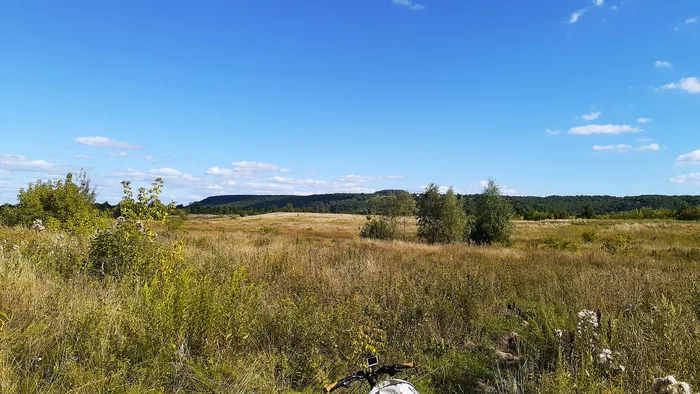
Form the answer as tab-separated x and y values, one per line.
527	208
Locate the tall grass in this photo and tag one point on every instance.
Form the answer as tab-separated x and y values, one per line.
232	308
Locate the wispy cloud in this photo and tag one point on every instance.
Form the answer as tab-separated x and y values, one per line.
246	169
599	3
690	20
591	116
104	142
411	5
690	85
650	147
358	179
617	148
10	163
575	16
614	8
662	64
643	120
604	129
689	158
690	179
83	157
119	154
552	132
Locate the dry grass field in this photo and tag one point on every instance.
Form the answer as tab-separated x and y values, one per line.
287	302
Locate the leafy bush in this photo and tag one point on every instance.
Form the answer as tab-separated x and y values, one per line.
129	247
689	214
589	236
493	218
379	228
619	244
57	204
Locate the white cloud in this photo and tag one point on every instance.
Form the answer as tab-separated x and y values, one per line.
83	157
645	139
614	8
689	158
651	147
662	64
604	129
119	154
599	2
410	4
254	166
358	179
104	142
591	116
11	163
148	158
576	15
643	120
617	148
690	179
165	172
246	169
690	85
691	20
552	132
301	182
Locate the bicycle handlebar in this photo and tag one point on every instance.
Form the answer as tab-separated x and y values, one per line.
390	370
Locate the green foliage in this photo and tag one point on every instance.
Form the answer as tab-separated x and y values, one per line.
441	218
493	217
689	213
379	228
588	212
270	231
147	205
129	247
619	244
589	236
60	204
559	244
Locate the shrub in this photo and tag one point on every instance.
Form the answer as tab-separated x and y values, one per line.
619	244
589	236
58	204
493	219
379	228
129	247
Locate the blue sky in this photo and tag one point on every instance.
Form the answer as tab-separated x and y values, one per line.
282	97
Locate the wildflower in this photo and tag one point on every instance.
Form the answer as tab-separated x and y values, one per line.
140	226
558	333
588	317
59	237
15	247
120	220
669	385
38	225
607	361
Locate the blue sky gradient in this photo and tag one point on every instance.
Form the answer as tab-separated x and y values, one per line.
316	96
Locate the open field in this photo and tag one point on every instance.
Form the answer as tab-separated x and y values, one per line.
287	302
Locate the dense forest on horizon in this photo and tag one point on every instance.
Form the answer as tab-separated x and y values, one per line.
371	203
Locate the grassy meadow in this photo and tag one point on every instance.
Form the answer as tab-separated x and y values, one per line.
288	302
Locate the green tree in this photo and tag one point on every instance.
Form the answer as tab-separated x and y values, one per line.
58	204
493	217
588	212
400	205
441	218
